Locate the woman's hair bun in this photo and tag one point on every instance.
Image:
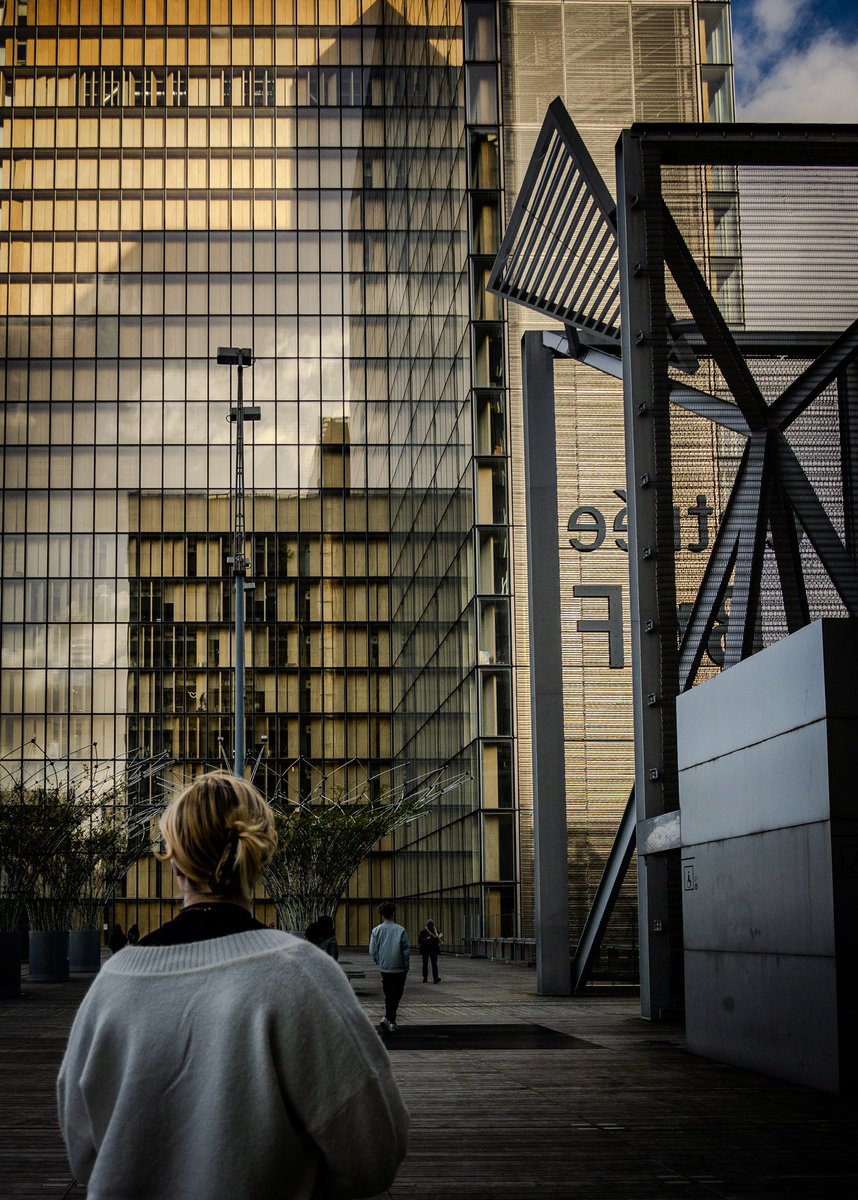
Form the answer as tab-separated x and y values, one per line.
220	833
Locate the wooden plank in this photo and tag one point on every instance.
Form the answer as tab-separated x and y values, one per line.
630	1115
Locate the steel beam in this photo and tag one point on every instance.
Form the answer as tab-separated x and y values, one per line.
606	896
654	626
551	858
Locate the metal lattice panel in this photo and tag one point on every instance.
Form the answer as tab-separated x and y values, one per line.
772	496
559	255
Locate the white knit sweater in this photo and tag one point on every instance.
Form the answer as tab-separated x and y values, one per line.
240	1068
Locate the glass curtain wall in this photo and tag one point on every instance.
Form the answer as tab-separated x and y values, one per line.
450	570
291	176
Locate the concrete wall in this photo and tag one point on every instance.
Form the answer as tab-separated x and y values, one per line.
769	831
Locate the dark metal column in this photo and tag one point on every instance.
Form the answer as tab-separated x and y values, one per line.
551	860
653	607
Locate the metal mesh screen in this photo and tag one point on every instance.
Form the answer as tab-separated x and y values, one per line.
559	254
777	247
798	231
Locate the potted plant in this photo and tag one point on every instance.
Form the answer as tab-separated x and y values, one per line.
113	836
53	811
66	841
324	838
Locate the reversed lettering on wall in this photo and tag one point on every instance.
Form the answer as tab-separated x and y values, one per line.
611	622
588	526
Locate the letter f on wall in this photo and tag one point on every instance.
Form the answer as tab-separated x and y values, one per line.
613	625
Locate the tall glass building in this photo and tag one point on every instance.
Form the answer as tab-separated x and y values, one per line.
323	181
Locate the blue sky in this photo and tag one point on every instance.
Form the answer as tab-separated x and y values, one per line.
796	60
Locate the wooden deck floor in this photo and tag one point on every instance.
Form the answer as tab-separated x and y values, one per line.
617	1110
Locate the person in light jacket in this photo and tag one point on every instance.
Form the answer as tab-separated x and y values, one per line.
391	952
219	1058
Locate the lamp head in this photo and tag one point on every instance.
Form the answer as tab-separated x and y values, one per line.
234	356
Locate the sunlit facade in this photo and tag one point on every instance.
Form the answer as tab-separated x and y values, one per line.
294	178
612	63
323	181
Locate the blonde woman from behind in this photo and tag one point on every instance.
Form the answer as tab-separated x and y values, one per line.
219	1059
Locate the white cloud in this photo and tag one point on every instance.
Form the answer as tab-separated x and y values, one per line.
776	19
816	82
762	35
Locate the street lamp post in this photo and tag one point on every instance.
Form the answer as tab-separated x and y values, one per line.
241	358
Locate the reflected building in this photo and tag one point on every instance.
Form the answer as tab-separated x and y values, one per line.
324	181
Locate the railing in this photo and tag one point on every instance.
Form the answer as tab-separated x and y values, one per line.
615	964
511	950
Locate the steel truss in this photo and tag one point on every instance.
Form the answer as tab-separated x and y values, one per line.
772	499
602	270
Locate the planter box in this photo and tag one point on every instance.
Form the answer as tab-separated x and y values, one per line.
10	965
84	951
49	956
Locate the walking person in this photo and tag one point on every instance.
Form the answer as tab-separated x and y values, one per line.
322	934
429	940
117	940
249	1069
390	950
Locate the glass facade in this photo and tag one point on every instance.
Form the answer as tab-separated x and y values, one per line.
323	181
317	181
453	695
